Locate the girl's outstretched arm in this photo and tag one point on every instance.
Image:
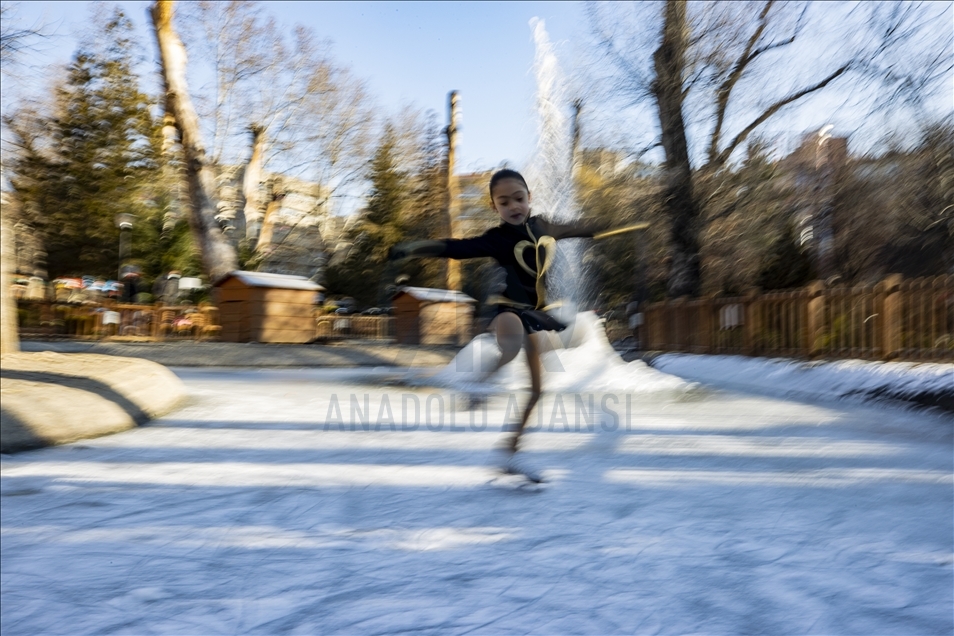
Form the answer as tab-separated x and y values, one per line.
577	229
589	229
445	248
416	249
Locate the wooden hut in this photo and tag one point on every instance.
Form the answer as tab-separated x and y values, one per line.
261	307
432	316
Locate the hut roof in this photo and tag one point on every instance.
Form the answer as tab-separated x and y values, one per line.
426	294
276	281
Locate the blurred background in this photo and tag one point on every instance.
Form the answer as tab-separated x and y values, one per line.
769	144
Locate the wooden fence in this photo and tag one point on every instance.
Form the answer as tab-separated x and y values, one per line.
333	327
895	319
93	321
117	321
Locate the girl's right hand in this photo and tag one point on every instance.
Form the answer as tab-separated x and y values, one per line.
397	252
410	249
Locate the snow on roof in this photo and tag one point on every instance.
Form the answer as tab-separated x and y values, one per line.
279	281
427	294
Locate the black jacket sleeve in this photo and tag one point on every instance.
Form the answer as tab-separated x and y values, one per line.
446	248
476	247
579	229
412	249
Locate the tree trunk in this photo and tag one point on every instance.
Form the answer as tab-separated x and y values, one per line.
252	187
9	338
268	228
218	256
669	61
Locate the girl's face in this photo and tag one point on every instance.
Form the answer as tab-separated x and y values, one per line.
511	199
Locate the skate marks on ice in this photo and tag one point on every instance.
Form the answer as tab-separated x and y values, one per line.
243	513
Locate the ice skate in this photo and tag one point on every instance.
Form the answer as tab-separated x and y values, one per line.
517	466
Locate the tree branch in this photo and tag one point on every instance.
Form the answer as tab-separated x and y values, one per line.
637	77
723	156
725	90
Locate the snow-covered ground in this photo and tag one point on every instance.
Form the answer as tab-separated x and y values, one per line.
927	384
581	359
329	501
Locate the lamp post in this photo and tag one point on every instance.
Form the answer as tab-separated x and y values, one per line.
124	222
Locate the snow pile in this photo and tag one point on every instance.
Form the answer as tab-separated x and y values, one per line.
582	359
928	384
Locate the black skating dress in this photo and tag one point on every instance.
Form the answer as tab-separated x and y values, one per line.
525	252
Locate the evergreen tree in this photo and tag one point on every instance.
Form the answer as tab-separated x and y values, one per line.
425	213
388	188
380	227
96	156
786	265
406	201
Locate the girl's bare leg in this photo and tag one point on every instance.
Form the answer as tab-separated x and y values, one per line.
532	346
508	329
511	337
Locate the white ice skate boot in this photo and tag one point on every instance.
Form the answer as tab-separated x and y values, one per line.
515	464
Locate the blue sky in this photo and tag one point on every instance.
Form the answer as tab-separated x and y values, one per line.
414	53
409	53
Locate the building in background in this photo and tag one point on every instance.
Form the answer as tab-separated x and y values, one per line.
476	213
812	172
299	230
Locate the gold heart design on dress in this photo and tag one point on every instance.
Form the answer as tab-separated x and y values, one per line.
518	253
548	243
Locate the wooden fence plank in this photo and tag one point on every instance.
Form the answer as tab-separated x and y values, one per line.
895	319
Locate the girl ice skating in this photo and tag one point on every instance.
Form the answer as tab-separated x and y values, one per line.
524	245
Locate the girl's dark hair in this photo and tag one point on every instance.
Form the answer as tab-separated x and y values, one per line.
506	173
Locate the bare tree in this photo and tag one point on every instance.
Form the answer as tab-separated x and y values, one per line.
309	116
218	255
252	185
15	38
9	339
716	72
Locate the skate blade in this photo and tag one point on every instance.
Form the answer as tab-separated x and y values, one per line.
516	481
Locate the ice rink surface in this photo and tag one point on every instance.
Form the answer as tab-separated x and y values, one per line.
321	502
